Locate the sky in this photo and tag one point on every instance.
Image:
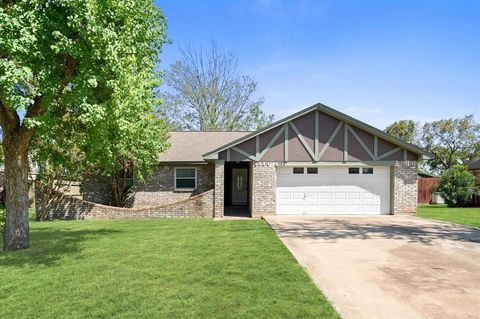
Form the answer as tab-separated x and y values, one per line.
378	61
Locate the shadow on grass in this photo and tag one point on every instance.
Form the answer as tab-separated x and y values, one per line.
48	246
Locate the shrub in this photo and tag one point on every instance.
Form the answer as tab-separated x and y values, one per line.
457	186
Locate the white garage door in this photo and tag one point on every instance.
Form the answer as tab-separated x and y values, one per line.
333	190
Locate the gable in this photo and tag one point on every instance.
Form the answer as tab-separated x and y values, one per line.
319	134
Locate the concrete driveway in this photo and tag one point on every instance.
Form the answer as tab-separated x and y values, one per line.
388	266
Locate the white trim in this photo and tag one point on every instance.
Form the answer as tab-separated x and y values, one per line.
360	141
302	140
330	140
238	150
273	140
393	151
338	163
334	113
285	142
175	178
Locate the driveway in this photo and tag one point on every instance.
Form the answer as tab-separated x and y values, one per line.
388	266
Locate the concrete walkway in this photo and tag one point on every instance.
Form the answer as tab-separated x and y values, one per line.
388	266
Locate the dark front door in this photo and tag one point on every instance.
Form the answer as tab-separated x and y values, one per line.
239	186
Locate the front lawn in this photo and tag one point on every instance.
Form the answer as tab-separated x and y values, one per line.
192	268
466	216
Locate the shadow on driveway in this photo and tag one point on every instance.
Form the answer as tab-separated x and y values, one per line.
402	228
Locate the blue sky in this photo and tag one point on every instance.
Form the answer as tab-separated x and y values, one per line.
378	61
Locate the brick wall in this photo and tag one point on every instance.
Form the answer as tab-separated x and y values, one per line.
219	200
263	180
157	189
97	189
404	187
68	207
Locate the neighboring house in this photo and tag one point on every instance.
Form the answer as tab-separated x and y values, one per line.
316	161
474	167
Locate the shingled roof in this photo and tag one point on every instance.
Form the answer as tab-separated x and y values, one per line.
474	164
189	146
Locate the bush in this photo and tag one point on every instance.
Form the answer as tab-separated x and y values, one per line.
457	186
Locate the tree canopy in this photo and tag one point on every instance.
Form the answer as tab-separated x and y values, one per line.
76	59
206	92
406	130
452	141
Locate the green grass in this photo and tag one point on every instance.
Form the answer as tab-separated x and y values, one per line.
466	215
192	268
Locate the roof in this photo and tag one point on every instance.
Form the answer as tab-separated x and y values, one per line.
474	164
334	113
189	146
422	174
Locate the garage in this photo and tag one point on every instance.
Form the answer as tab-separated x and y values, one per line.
306	190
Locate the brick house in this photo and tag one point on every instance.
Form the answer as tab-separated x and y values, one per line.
316	161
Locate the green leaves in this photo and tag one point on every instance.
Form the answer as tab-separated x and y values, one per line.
93	63
406	130
452	141
457	186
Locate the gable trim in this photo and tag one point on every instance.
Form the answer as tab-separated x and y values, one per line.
329	111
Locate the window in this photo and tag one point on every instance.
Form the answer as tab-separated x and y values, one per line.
367	170
353	170
185	178
298	170
312	170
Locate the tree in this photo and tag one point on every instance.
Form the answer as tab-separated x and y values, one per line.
128	141
457	186
207	93
406	130
65	57
452	141
56	150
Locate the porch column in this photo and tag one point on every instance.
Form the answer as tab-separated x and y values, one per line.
263	181
404	188
219	193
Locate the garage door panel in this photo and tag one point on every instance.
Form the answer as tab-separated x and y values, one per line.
333	191
298	195
312	196
284	195
298	209
353	195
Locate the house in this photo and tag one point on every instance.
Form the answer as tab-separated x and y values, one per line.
316	161
474	167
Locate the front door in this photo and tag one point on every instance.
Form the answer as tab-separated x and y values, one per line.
239	186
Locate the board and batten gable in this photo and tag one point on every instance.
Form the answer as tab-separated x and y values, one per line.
318	137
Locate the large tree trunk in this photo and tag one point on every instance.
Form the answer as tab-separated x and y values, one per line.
16	185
